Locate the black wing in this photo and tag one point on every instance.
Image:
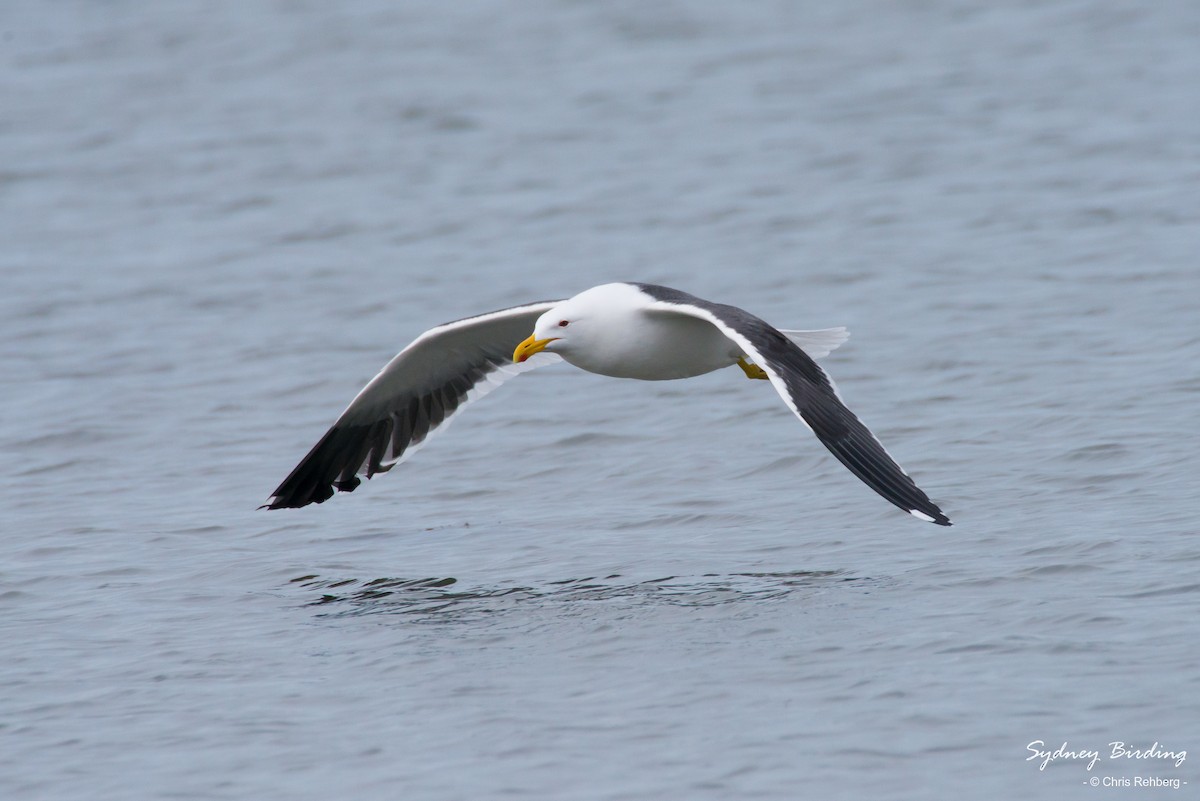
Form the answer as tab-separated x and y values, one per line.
809	393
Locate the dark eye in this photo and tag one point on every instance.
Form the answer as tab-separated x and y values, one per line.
563	323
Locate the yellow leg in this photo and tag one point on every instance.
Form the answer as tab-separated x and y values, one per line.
751	370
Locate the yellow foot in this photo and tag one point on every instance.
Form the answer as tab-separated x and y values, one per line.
750	369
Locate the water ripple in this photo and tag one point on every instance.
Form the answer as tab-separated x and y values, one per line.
442	599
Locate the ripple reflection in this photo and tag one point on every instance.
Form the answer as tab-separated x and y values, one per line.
442	599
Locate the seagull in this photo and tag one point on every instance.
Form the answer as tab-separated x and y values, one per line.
624	330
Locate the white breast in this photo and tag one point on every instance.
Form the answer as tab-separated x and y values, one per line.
657	347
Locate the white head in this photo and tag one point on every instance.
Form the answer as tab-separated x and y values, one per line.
583	326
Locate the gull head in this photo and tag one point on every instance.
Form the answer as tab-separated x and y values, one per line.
587	324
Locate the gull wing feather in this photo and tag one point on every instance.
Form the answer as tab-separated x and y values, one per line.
808	392
415	394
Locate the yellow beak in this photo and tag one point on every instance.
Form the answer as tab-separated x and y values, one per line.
531	346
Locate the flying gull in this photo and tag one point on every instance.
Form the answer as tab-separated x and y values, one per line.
626	330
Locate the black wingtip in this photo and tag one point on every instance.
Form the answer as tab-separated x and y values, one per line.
296	495
929	513
319	474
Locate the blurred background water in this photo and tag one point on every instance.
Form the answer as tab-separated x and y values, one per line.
220	219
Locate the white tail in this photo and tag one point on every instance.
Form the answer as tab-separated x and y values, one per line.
818	343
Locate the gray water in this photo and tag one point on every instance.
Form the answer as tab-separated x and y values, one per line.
218	220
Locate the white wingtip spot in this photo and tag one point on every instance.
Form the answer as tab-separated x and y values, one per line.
921	516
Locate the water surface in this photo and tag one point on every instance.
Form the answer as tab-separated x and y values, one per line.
220	219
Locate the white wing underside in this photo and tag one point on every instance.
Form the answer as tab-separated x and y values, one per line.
416	394
491	381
